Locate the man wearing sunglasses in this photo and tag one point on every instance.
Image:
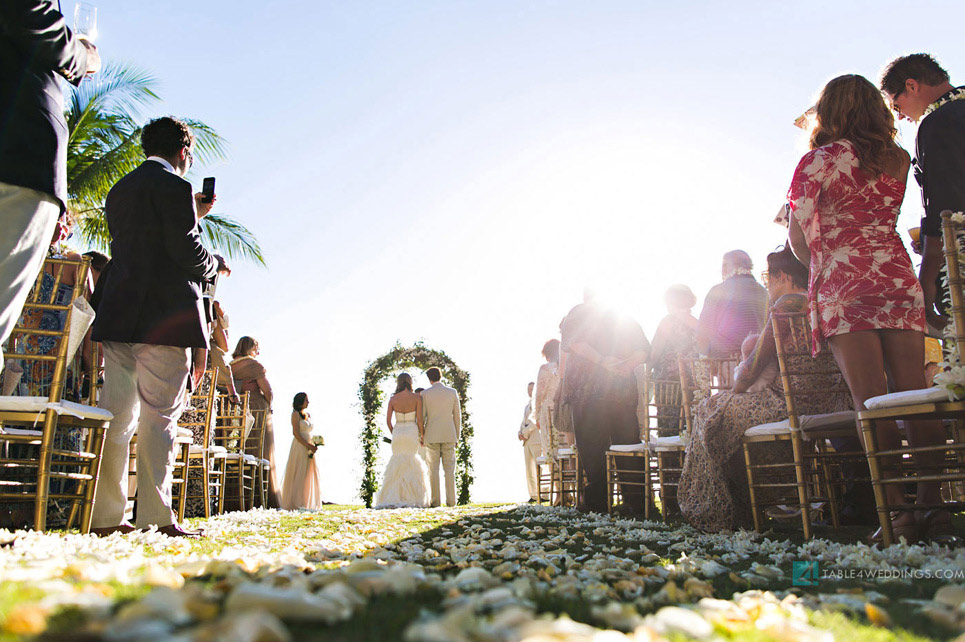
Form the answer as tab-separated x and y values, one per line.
919	90
35	48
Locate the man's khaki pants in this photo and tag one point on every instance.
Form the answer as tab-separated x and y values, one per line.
532	449
27	220
447	453
143	387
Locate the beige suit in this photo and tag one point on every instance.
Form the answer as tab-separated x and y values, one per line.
443	419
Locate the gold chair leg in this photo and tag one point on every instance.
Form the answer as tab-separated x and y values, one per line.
751	485
647	487
611	485
206	480
881	497
802	491
97	447
829	486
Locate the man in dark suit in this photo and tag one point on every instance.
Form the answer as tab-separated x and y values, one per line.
149	316
35	48
920	90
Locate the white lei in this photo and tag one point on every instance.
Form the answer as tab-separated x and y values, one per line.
956	94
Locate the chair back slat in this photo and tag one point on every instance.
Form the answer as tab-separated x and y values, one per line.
39	340
198	418
807	380
663	406
701	377
230	422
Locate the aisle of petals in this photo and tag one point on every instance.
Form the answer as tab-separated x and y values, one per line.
465	574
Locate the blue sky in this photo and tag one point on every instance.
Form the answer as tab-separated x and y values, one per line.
457	171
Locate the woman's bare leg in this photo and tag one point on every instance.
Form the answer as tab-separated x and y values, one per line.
860	356
904	352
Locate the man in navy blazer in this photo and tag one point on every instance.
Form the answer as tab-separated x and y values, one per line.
149	316
36	48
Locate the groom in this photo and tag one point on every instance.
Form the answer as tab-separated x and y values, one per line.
443	417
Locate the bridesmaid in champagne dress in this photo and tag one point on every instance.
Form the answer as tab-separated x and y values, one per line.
250	376
302	487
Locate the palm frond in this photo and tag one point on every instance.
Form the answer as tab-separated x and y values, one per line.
209	145
231	237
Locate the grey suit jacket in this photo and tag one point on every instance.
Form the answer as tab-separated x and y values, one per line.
440	406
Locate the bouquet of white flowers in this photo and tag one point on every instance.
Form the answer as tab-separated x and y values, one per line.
318	440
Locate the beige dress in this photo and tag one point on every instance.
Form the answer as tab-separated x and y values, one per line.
547	383
302	487
247	371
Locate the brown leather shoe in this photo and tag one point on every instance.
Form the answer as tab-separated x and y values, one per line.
174	530
123	527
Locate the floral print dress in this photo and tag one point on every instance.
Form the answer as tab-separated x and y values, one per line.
861	276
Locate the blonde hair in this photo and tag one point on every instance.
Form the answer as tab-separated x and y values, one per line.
851	108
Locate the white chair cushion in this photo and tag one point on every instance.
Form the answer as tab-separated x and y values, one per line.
40	404
24	432
266	463
217	450
773	428
250	459
907	398
629	448
196	449
82	411
542	459
843	419
227	455
185	432
565	452
667	444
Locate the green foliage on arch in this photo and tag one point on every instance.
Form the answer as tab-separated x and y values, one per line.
390	364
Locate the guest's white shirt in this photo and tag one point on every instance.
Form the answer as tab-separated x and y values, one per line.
168	166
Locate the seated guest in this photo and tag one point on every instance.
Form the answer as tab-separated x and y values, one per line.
732	309
675	337
713	493
250	376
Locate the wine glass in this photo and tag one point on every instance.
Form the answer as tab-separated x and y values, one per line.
85	21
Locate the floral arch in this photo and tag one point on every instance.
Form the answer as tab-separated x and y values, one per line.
391	363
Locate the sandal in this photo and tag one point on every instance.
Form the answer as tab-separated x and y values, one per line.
907	530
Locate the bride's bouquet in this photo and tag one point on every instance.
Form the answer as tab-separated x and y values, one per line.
318	440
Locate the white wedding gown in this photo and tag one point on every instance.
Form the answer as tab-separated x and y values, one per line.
406	481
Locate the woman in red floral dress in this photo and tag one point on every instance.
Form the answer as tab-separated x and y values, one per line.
865	300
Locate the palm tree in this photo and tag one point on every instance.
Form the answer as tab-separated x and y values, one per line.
104	144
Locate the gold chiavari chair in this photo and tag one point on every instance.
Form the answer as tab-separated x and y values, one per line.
659	402
199	458
260	468
897	466
700	377
63	440
233	424
804	477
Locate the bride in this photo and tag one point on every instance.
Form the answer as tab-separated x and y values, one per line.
406	481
